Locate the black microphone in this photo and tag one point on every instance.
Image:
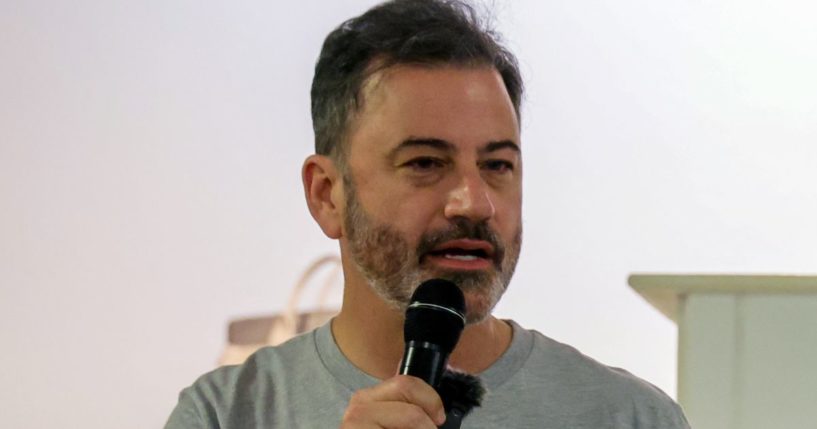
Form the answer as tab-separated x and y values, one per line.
435	319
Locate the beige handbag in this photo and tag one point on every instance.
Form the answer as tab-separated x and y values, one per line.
245	336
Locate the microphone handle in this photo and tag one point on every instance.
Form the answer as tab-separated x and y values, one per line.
453	419
425	361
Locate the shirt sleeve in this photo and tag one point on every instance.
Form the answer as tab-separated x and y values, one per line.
186	415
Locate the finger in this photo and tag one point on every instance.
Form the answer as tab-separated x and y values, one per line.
388	414
405	388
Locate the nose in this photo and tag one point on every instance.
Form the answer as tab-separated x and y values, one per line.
470	199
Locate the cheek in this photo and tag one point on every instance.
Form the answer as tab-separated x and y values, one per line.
412	218
508	206
509	221
407	211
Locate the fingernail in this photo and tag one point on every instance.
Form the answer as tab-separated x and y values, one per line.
440	418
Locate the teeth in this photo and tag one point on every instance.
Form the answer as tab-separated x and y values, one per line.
461	257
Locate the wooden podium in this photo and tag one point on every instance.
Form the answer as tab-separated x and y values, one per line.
747	347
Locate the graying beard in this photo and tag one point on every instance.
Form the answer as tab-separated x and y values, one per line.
394	288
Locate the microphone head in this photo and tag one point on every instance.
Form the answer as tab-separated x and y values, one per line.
436	314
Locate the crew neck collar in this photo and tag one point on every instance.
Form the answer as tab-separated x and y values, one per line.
353	378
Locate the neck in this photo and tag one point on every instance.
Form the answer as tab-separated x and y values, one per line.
370	334
480	345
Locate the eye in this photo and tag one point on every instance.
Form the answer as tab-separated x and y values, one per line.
425	163
499	166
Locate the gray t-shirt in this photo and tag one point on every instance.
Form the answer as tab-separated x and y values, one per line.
537	383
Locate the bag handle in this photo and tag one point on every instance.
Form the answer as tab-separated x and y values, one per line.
289	317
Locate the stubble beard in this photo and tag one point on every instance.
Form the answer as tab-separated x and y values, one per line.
394	270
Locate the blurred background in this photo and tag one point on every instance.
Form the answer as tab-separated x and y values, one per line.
150	158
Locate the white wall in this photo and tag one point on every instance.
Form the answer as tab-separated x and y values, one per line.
149	179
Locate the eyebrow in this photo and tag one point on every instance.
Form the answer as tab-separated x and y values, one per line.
502	144
433	143
447	146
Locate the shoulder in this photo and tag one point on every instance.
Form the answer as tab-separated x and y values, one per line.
569	361
229	391
614	391
266	365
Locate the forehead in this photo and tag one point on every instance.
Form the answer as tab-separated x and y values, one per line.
460	104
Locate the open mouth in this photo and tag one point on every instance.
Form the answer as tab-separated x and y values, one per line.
463	254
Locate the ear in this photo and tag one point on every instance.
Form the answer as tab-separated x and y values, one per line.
323	189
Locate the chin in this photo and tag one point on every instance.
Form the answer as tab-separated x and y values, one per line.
482	290
478	308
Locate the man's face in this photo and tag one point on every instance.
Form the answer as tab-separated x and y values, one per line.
433	185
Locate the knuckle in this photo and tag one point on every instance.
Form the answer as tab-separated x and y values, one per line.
360	397
404	383
357	397
357	408
350	416
415	417
355	412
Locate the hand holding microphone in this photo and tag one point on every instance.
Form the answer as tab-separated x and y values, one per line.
434	321
399	402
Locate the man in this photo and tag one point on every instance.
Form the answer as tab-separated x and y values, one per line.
418	175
